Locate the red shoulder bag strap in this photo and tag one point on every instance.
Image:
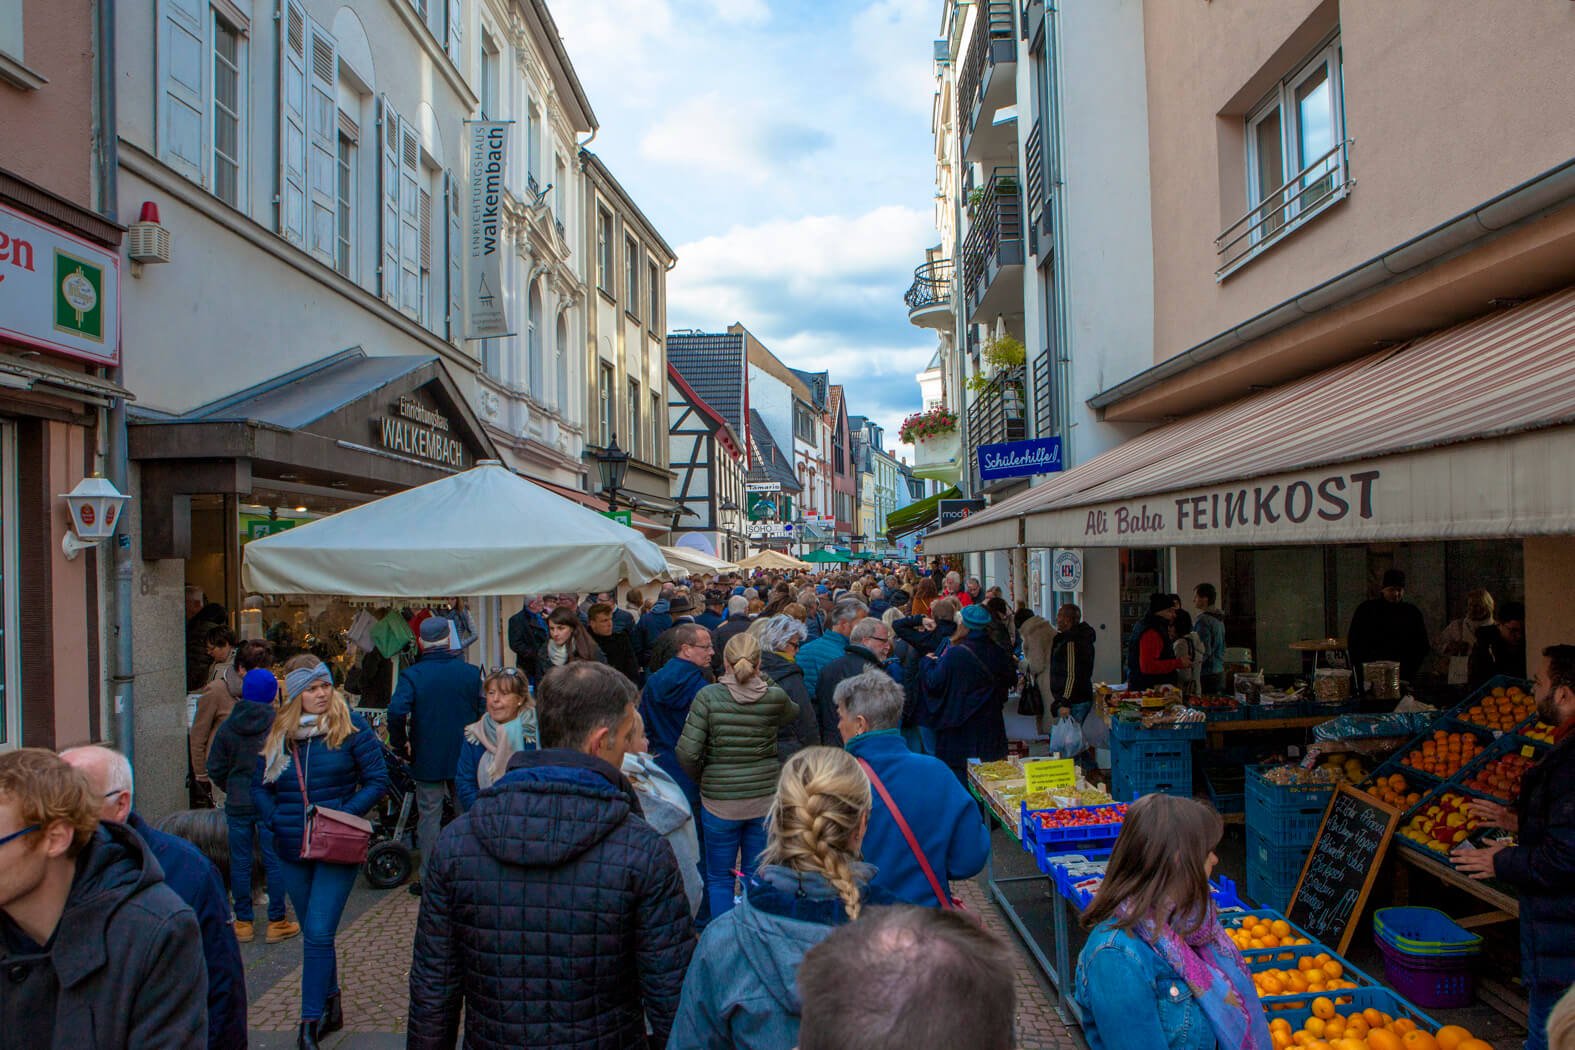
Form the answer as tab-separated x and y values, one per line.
907	833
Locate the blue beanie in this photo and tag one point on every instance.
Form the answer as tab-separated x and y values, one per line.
260	686
297	681
976	616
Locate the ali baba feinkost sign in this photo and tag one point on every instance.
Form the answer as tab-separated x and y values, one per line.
413	429
1330	498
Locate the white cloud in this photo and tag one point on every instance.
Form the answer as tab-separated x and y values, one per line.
711	135
741	12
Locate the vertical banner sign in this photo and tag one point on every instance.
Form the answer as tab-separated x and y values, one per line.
489	146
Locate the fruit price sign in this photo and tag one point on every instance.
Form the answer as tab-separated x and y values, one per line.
1342	865
1049	774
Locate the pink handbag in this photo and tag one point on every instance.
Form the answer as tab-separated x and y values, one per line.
331	835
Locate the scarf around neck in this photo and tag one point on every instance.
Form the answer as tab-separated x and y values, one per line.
1209	962
501	746
279	760
749	692
557	655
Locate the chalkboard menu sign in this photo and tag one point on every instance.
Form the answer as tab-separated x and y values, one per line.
1342	865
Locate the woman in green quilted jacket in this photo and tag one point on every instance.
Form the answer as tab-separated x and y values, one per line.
729	746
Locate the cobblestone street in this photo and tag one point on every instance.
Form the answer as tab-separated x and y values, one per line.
374	964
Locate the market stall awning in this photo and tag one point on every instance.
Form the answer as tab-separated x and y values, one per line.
772	560
485	531
826	557
1465	433
687	560
918	515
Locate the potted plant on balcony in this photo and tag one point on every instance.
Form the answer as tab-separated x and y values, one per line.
935	437
1005	352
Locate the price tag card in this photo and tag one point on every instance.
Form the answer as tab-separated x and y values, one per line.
1528	751
1048	774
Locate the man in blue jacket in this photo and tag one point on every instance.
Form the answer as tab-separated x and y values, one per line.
819	652
665	702
439	697
656	620
942	816
193	878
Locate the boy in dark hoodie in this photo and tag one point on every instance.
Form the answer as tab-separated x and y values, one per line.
232	762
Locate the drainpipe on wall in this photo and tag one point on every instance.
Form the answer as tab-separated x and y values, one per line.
117	465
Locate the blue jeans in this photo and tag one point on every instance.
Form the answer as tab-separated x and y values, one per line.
920	739
319	891
243	829
724	841
1540	1001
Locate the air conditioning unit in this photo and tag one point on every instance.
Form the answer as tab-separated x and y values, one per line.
147	241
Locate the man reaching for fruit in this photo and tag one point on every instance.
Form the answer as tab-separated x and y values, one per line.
1541	865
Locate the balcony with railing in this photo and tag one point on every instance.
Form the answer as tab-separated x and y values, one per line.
997	413
929	297
1305	195
987	82
993	251
1036	183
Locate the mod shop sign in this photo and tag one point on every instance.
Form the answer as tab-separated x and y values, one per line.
58	292
1303	502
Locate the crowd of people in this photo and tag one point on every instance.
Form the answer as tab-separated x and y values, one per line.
726	815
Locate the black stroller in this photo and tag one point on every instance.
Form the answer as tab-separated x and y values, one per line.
389	862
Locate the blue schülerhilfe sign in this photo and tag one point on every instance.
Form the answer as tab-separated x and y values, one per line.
1019	459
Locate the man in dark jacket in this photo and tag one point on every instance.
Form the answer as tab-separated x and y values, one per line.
869	648
201	617
1541	864
193	878
715	610
1072	662
603	937
665	647
439	696
528	638
617	646
665	702
965	690
658	619
1500	647
737	622
232	761
1389	628
1151	659
96	950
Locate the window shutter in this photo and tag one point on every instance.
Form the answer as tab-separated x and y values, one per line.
454	27
456	258
409	220
182	70
292	121
388	201
322	149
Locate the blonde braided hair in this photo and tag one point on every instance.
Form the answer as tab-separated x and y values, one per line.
818	818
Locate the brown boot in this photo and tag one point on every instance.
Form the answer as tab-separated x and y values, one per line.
282	930
244	931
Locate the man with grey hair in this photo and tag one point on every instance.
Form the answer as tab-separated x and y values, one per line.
194	879
869	649
737	622
819	652
942	817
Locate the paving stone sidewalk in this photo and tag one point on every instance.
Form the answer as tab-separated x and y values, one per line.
374	972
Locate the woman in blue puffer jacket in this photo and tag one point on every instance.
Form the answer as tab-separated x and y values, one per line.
316	741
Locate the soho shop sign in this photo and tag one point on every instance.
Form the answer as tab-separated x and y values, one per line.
413	429
1328	499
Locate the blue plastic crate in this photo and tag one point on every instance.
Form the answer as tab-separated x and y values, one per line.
1171	778
1133	732
1284	796
1295	709
1227	790
1063	839
1144	762
1273	858
1380	999
1282	953
1287	814
1424	931
1267	892
1281	961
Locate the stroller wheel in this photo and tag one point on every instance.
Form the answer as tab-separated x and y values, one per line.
388	864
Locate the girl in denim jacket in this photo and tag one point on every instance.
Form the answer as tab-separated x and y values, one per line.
1158	971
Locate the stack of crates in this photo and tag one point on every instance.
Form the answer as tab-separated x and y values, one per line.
1282	822
1151	761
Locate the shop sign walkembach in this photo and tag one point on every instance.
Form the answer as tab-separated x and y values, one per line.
413	429
1019	459
58	292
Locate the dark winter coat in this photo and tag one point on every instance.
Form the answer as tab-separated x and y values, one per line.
1385	630
1137	678
233	757
910	630
648	630
618	649
1542	867
440	695
125	969
941	813
1492	655
855	659
196	881
665	702
528	640
553	914
351	777
965	690
665	648
198	662
729	746
1072	666
733	626
711	619
814	655
803	731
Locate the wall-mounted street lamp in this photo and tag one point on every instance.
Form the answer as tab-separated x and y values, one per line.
95	507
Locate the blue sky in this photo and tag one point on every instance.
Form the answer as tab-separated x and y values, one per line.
784	150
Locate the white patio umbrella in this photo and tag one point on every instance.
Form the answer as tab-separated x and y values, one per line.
688	560
486	531
773	560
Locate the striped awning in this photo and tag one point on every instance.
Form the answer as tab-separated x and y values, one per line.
1373	449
